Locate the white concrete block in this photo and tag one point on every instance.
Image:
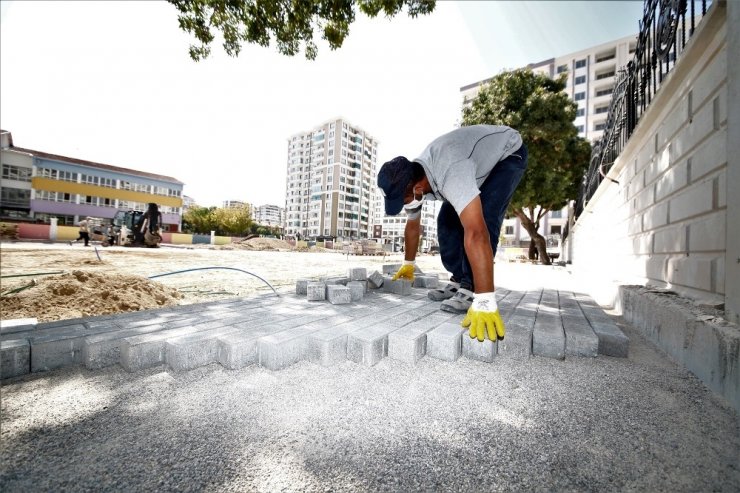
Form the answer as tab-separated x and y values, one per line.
655	217
711	155
707	233
696	200
673	180
670	240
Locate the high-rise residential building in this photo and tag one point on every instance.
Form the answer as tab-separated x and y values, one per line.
269	215
330	182
591	80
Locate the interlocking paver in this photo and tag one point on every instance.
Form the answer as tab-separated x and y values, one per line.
276	332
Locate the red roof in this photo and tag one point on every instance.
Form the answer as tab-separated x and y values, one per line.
91	164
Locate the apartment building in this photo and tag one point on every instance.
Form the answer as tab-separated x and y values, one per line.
591	79
269	215
331	173
37	186
234	204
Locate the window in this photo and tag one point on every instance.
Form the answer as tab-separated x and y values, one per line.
580	96
556	214
580	79
509	230
605	92
15	197
579	128
600	126
601	109
581	63
11	172
555	230
562	68
580	112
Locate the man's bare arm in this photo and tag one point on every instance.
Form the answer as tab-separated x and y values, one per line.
411	238
478	246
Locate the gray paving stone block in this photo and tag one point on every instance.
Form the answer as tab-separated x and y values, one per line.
328	346
445	342
15	358
101	350
548	338
428	282
357	290
409	343
472	348
193	351
401	286
375	280
393	268
612	341
12	326
148	350
369	345
239	349
517	342
301	286
280	350
338	295
357	274
58	349
316	291
580	339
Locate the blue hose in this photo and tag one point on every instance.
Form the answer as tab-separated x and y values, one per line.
211	268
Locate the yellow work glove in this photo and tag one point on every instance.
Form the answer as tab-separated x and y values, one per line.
406	271
484	318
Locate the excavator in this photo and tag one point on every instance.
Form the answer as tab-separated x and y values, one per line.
139	229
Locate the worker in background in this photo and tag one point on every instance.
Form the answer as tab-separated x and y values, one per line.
84	231
474	170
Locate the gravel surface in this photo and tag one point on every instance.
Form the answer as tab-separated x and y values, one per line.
641	423
605	424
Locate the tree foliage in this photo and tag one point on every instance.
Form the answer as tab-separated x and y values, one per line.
536	106
225	222
291	24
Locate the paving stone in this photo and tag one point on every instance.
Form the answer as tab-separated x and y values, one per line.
316	291
357	290
580	339
15	358
239	349
301	286
548	337
148	350
15	325
472	348
338	295
357	274
612	341
393	268
445	342
328	346
409	343
375	280
280	350
401	286
519	321
193	351
428	282
370	345
59	349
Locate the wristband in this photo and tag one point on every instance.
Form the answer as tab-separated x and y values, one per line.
485	302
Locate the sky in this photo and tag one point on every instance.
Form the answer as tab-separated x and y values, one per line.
112	82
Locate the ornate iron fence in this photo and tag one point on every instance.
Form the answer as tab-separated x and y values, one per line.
662	38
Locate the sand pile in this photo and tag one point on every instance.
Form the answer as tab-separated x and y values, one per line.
83	294
263	244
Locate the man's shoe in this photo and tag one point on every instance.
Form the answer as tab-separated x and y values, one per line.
458	303
445	293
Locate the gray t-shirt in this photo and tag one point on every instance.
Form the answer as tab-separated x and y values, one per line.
458	162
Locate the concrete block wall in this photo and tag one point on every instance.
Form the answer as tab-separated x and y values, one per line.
667	222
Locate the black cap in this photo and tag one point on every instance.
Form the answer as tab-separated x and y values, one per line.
393	178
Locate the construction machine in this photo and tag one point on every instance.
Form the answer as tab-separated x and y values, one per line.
139	229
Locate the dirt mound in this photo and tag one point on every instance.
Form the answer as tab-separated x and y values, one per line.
263	244
83	294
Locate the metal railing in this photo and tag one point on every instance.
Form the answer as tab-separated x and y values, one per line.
662	38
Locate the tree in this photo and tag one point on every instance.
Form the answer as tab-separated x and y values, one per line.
225	222
290	23
537	107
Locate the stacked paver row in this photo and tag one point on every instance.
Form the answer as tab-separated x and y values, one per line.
363	324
